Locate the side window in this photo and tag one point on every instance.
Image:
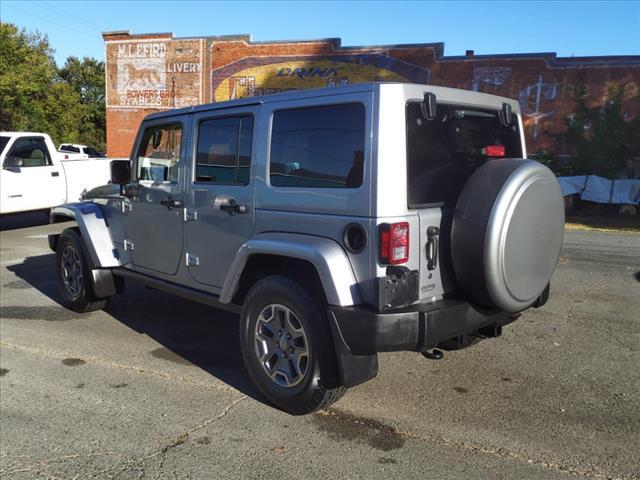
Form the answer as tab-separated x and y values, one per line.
159	153
320	147
224	150
29	152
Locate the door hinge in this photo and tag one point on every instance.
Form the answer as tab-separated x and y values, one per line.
128	245
192	260
190	215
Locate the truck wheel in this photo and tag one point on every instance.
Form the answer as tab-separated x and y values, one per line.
74	277
287	347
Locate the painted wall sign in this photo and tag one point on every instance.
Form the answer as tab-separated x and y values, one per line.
154	74
157	71
259	76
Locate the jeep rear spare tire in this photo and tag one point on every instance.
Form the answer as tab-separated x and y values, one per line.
507	233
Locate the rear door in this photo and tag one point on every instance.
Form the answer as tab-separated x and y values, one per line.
30	181
220	212
152	215
442	154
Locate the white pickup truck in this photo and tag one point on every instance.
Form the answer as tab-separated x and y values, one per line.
74	151
35	176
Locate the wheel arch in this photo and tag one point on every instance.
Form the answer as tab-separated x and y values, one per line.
313	261
93	228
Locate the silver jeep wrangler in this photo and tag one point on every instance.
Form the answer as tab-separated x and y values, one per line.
340	222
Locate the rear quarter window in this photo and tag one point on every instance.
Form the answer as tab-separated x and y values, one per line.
318	147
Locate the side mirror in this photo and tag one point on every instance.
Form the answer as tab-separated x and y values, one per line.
120	172
13	162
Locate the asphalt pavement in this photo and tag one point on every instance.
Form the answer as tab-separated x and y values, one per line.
153	387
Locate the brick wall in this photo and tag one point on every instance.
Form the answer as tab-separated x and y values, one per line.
147	73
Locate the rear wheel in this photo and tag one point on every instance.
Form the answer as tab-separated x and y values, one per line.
287	347
74	276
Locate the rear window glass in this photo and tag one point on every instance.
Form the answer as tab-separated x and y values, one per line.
92	152
443	153
321	147
69	148
3	143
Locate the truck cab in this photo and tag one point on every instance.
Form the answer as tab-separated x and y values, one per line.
35	176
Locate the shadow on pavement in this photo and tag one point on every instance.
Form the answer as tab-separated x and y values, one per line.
23	220
188	332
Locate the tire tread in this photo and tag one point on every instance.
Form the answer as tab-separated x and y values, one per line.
324	395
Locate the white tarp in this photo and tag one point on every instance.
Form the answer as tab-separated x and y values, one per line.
601	190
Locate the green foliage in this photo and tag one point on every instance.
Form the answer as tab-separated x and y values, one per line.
600	140
35	95
86	78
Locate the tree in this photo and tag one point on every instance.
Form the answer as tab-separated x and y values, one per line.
600	139
68	104
27	71
86	77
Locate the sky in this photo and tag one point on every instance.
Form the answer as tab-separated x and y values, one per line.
578	28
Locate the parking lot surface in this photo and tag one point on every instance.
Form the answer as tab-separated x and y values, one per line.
153	387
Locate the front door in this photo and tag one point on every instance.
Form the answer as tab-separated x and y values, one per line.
30	181
220	210
152	215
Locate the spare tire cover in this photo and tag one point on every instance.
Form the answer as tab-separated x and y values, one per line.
507	233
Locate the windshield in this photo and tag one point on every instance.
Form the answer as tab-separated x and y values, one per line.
3	143
443	153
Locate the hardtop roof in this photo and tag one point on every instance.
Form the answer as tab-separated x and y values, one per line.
304	93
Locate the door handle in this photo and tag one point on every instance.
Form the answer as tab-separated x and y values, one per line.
55	174
232	207
171	203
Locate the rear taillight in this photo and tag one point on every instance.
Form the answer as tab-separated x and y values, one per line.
394	243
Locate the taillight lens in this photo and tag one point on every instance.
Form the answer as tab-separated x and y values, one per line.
394	243
494	150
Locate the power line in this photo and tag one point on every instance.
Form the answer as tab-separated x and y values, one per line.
72	28
66	15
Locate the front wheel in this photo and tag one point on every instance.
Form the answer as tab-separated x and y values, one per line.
74	276
287	348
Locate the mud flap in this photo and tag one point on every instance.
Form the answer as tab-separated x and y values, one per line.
354	369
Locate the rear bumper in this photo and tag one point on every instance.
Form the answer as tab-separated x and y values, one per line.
359	334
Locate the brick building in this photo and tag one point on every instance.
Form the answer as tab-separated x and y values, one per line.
149	72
